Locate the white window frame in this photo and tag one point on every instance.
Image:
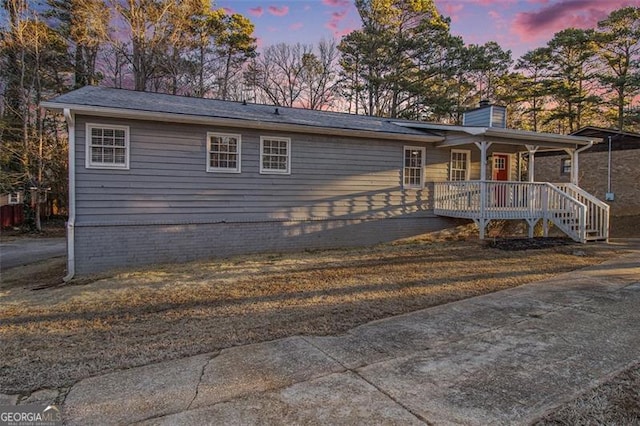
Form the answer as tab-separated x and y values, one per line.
238	167
265	171
564	161
89	164
14	198
423	156
468	164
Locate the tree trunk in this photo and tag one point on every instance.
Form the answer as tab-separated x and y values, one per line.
227	72
621	109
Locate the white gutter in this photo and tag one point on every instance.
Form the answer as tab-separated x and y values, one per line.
71	260
575	168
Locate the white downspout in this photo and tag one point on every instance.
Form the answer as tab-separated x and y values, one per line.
575	163
609	168
71	260
532	157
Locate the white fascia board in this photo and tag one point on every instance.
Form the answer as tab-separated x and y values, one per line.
519	135
540	137
233	122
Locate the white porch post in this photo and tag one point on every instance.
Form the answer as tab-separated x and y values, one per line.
482	221
532	155
575	167
483	147
531	174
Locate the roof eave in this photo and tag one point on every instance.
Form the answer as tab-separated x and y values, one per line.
540	137
521	136
234	122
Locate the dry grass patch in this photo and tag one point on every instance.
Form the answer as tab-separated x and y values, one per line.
56	336
616	402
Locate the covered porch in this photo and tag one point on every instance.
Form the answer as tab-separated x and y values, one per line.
499	182
497	196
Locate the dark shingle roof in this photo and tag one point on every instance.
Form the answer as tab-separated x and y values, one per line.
91	96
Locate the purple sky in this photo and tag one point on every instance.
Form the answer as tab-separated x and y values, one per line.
519	25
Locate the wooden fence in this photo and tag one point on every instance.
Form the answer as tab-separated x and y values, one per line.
11	215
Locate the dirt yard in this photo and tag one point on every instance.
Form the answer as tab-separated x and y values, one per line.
53	335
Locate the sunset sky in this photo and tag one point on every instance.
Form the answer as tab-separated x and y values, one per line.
518	25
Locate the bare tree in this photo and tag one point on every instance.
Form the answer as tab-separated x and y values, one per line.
320	76
278	72
148	24
33	57
85	25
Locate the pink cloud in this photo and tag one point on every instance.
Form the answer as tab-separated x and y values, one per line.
256	11
278	11
343	32
228	10
498	19
338	16
543	23
492	2
334	21
336	3
450	9
296	26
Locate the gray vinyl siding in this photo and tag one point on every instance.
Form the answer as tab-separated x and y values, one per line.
498	116
167	182
492	116
479	118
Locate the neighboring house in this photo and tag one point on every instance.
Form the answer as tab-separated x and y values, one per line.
608	170
163	178
11	209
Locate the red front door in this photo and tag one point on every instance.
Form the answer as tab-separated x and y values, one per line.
500	172
500	167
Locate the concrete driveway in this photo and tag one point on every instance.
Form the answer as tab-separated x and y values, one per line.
503	358
24	251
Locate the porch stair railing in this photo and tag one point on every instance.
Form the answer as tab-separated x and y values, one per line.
577	213
597	224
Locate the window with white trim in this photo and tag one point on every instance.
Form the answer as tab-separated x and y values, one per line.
413	169
565	166
14	198
223	152
459	166
107	146
275	155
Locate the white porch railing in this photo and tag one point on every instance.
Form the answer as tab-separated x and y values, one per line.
482	201
597	211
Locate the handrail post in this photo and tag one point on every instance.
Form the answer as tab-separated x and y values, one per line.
483	198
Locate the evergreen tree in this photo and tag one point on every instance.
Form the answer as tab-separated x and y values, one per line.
618	42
